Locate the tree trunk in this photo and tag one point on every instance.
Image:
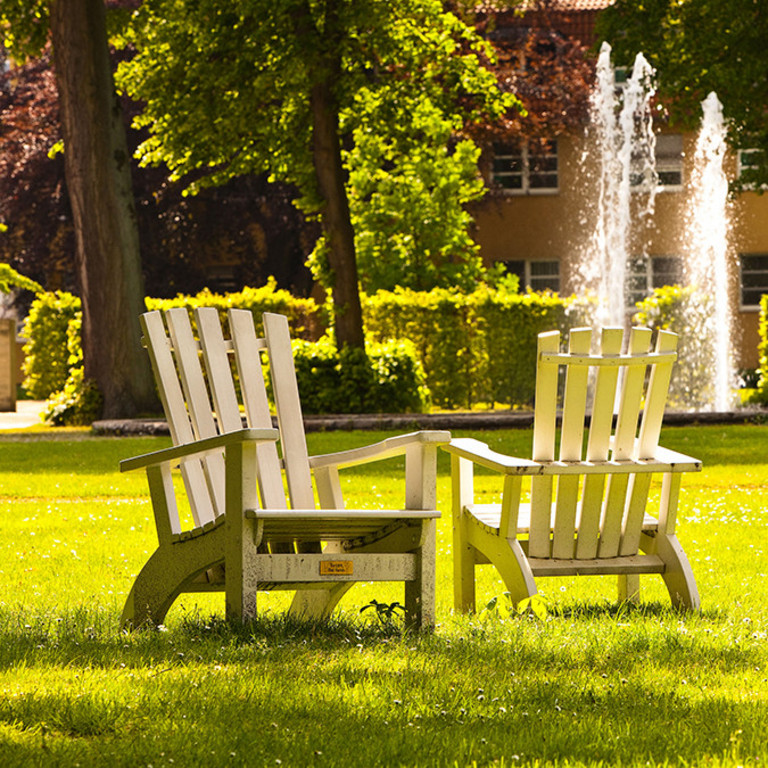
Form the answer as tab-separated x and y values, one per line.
99	184
337	225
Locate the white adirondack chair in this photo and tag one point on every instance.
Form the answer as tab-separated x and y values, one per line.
587	511
245	538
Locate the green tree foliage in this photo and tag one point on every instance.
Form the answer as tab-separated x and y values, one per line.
408	194
699	46
261	86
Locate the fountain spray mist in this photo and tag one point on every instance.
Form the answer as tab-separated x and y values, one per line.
622	123
707	254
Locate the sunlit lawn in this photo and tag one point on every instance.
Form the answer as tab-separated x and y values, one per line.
591	682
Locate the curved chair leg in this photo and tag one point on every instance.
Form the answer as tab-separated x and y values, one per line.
678	575
507	556
166	574
152	593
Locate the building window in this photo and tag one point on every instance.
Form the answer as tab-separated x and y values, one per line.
536	275
526	169
668	160
754	279
649	272
749	161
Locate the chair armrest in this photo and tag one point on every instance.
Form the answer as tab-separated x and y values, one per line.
392	446
679	461
664	460
198	448
480	453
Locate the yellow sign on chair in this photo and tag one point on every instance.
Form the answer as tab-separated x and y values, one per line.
336	567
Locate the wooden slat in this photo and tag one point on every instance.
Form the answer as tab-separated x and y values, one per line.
602	566
658	389
571	440
218	369
609	362
545	412
289	416
598	445
648	441
179	424
624	444
247	346
186	350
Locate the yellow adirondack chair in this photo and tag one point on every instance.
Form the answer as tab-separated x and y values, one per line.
246	535
587	511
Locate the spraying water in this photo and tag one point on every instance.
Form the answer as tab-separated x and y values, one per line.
623	128
707	260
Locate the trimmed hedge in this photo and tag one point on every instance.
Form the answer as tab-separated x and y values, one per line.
463	349
47	349
761	395
475	348
385	378
303	314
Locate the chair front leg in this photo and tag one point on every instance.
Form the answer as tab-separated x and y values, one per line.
462	493
242	534
420	593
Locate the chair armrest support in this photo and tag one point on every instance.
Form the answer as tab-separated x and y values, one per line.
385	449
198	448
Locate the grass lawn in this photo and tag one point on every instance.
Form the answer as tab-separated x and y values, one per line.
592	682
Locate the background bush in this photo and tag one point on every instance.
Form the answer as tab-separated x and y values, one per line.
385	378
684	310
459	349
303	315
475	348
47	349
761	395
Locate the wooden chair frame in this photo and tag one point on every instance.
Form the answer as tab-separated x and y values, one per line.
587	513
247	536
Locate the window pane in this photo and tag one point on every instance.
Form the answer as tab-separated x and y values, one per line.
669	159
754	279
545	275
666	270
516	268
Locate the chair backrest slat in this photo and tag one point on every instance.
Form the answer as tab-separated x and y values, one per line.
288	405
598	444
179	423
658	389
248	348
571	441
544	434
218	369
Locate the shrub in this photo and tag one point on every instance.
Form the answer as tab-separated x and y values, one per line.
474	348
303	315
385	378
46	352
78	404
683	310
761	394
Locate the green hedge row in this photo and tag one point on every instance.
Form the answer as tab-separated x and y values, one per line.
304	316
462	349
385	378
761	395
475	348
